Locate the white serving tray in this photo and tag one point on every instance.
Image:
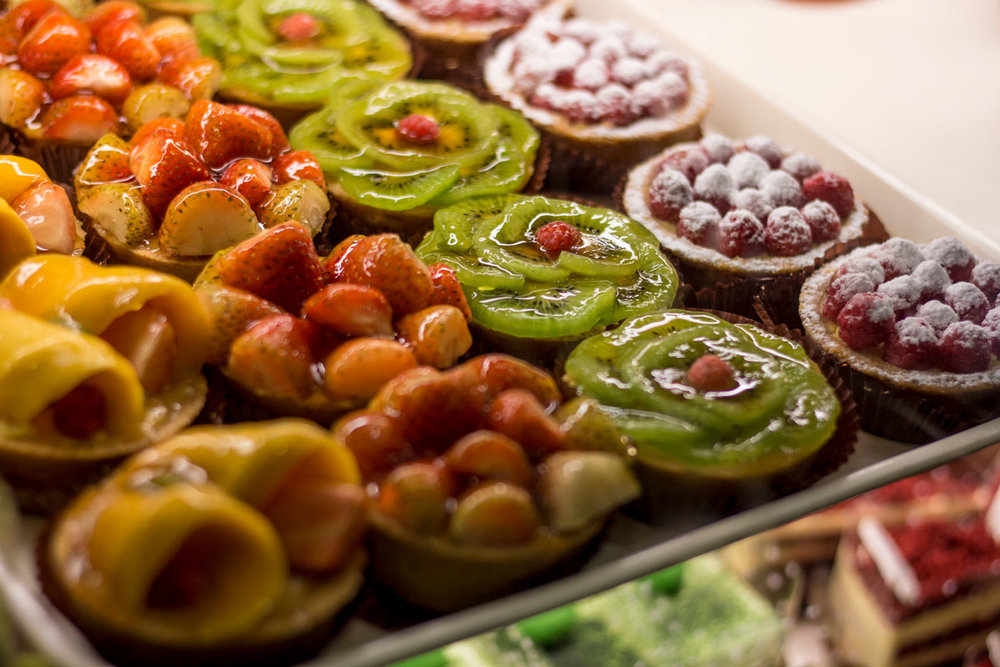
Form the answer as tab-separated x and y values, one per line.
631	548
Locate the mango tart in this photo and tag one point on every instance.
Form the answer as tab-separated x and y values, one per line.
223	543
482	479
301	335
180	190
97	363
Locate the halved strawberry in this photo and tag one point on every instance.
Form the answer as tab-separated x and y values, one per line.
233	312
52	42
174	38
416	496
388	264
106	162
447	289
24	17
172	127
164	166
490	456
251	178
276	357
126	41
220	134
279	264
517	414
333	265
352	310
21	97
197	77
106	13
93	73
298	165
79	119
204	218
279	142
46	209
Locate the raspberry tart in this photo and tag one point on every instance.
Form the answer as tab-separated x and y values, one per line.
112	358
286	56
914	331
181	190
311	337
66	82
746	218
395	153
608	96
482	480
223	545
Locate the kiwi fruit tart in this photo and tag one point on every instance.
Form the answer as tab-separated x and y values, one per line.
181	190
712	405
97	364
538	269
285	56
395	153
223	545
482	479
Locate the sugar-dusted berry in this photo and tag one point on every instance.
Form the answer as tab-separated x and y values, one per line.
938	314
968	301
669	192
867	320
842	289
952	254
614	104
699	223
800	165
591	74
715	185
718	147
747	169
740	234
767	148
898	256
787	234
992	324
867	265
904	294
755	201
418	129
831	188
965	348
477	10
822	219
932	278
690	161
913	344
986	276
781	188
556	237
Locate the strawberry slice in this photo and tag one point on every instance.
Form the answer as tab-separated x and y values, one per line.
279	142
164	166
173	127
81	119
279	264
24	17
21	97
221	134
333	265
197	77
276	357
92	73
174	38
125	41
106	13
447	289
251	178
46	210
298	165
52	42
388	264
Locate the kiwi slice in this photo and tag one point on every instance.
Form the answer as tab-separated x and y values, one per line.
653	288
396	191
318	134
469	272
458	223
543	311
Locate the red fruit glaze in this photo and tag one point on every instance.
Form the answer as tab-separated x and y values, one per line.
52	42
711	373
388	264
164	166
220	134
171	127
517	414
299	27
279	142
740	234
251	178
418	129
831	188
556	237
375	440
278	353
298	165
351	310
92	73
866	320
24	17
196	77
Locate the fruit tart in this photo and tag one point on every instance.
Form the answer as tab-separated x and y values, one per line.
35	214
607	95
540	272
304	336
395	153
181	190
482	480
721	412
66	82
915	331
96	364
286	56
453	33
746	218
223	545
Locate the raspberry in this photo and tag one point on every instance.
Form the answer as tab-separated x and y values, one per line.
867	265
690	161
628	71
950	253
842	289
754	201
968	302
299	27
669	192
831	188
591	74
932	278
740	234
800	166
651	97
898	257
715	186
477	10
614	104
564	78
556	237
866	320
579	106
699	223
822	220
938	314
781	188
418	129
992	324
718	148
767	148
711	373
435	9
913	345
747	169
608	48
965	348
986	276
787	233
903	292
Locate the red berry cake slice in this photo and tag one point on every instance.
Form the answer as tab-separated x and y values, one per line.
737	214
917	327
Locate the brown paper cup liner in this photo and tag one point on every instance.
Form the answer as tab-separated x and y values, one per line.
58	160
671	494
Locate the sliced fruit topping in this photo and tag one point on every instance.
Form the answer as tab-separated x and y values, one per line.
448	290
351	310
46	210
494	514
577	488
557	237
21	97
279	142
488	455
397	191
415	495
711	373
197	77
439	335
518	414
301	201
106	13
151	101
93	73
174	39
125	41
147	339
375	440
220	134
164	166
106	162
171	127
279	354
418	129
298	165
357	369
204	218
51	42
118	211
389	265
17	174
543	312
81	119
333	265
233	312
251	178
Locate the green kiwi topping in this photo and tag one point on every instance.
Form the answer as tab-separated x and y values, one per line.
698	394
267	62
518	285
392	135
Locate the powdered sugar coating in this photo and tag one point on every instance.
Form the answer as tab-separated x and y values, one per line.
915	331
781	188
938	314
932	279
968	301
767	148
903	292
756	202
801	166
718	147
592	73
952	254
699	222
747	169
866	265
965	347
898	256
715	184
456	21
669	192
787	234
823	219
986	276
842	289
629	71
